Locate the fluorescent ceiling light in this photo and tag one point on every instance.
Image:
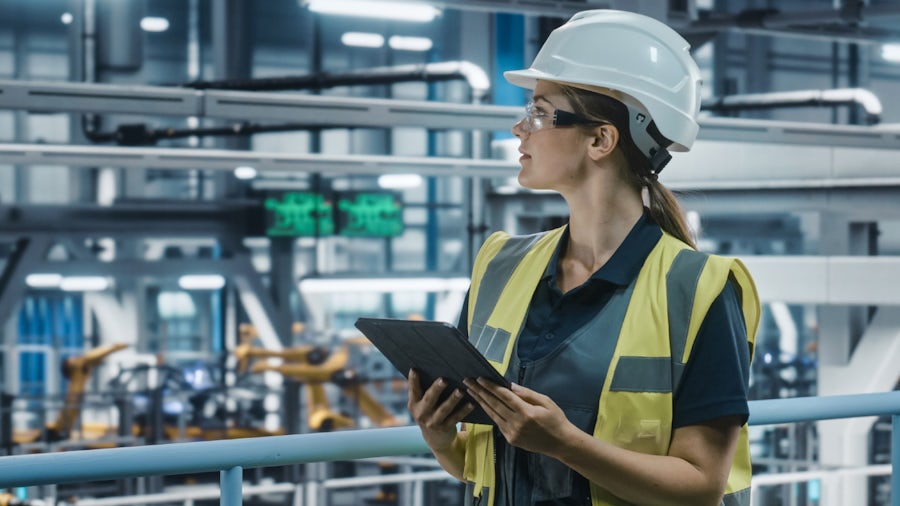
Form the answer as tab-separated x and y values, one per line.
397	11
410	43
201	282
399	181
175	305
891	52
245	172
154	24
39	280
362	39
66	18
84	283
383	285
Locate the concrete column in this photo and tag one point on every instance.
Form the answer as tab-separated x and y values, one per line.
855	356
874	367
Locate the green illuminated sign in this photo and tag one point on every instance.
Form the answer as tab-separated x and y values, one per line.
369	215
357	214
299	214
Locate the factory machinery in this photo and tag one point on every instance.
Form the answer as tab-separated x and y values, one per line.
153	358
159	403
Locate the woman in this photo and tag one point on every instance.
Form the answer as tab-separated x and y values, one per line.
628	350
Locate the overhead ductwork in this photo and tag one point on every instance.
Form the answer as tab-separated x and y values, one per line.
863	98
847	23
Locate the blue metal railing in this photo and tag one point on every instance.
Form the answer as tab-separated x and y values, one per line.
231	457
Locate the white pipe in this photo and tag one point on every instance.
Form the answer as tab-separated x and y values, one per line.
476	76
362	481
194	493
863	97
788	341
760	480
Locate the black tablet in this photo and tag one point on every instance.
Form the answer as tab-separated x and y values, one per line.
434	350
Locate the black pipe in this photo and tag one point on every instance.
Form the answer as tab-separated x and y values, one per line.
322	80
139	134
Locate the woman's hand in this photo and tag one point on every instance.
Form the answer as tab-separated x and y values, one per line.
527	419
437	421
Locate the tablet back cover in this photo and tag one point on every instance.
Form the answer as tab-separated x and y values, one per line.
435	350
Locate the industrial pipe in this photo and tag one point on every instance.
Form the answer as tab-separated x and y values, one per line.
802	23
800	98
140	134
427	72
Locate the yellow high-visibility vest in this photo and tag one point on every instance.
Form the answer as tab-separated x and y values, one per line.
669	300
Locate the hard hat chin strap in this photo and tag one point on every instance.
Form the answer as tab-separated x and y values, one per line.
659	158
648	139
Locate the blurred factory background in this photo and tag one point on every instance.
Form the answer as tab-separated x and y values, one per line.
199	197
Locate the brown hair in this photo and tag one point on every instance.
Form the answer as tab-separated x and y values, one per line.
664	207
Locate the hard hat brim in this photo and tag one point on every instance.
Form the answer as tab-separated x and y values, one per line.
526	78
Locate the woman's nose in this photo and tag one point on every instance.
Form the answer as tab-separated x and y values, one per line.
517	128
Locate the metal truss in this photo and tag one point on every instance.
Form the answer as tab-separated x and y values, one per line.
730	154
140	219
324	111
316	110
219	159
712	165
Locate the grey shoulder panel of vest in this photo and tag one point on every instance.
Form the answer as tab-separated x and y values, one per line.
525	239
681	285
500	269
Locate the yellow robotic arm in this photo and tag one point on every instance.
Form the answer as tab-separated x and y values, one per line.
78	369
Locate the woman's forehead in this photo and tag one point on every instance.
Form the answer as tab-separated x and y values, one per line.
545	88
549	93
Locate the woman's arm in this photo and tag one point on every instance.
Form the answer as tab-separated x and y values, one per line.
693	473
453	458
438	422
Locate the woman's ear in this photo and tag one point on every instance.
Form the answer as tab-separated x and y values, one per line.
604	141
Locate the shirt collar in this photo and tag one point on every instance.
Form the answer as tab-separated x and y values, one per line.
625	264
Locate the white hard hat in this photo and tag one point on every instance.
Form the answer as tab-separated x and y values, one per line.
634	58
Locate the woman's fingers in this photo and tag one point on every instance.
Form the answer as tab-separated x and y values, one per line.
415	387
427	408
500	398
450	411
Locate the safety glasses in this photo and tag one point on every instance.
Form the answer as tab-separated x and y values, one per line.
537	119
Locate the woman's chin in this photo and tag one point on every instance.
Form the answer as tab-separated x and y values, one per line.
530	183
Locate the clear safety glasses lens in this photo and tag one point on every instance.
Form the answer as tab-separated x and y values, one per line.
535	120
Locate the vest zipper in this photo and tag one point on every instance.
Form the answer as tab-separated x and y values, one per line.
516	453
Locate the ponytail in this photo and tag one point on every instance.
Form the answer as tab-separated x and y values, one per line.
667	212
664	207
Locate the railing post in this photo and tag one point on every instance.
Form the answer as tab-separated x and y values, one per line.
895	460
230	482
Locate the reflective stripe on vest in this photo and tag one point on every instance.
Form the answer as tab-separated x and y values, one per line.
635	409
